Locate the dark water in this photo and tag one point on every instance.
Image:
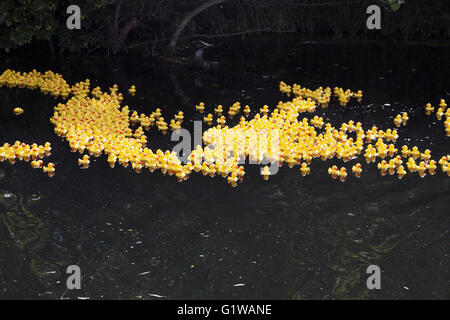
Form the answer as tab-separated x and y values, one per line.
135	236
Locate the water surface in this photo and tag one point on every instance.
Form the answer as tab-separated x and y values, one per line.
145	236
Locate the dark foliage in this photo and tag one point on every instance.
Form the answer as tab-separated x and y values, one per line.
117	25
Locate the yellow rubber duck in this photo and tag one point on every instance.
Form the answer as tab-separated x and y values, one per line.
398	161
200	107
401	172
208	119
439	114
211	170
443	161
123	160
285	88
222	170
134	118
151	165
232	179
241	172
421	169
180	116
10	156
265	172
415	153
342	174
447	119
34	152
146	122
47	148
370	155
391	150
291	161
304	169
160	121
442	104
112	160
37	164
157	113
181	175
405	151
246	110
218	110
174	125
343	100
383	167
307	158
333	171
236	106
264	109
84	162
221	121
163	128
49	169
428	109
432	167
405	118
231	113
398	120
394	135
382	152
138	133
426	155
18	111
132	90
163	167
392	166
357	170
41	152
204	168
411	165
446	169
137	166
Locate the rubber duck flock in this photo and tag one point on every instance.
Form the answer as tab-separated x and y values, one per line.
93	122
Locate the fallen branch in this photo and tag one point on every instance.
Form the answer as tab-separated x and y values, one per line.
187	18
240	33
220	35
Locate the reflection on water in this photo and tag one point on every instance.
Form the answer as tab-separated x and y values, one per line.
292	237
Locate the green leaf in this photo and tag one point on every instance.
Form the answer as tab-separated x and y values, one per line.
395	4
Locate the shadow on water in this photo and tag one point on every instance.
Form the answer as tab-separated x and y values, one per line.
293	237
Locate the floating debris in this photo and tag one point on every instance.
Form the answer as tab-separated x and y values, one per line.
239	285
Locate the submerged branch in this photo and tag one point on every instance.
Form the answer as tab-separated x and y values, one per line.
187	18
210	36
